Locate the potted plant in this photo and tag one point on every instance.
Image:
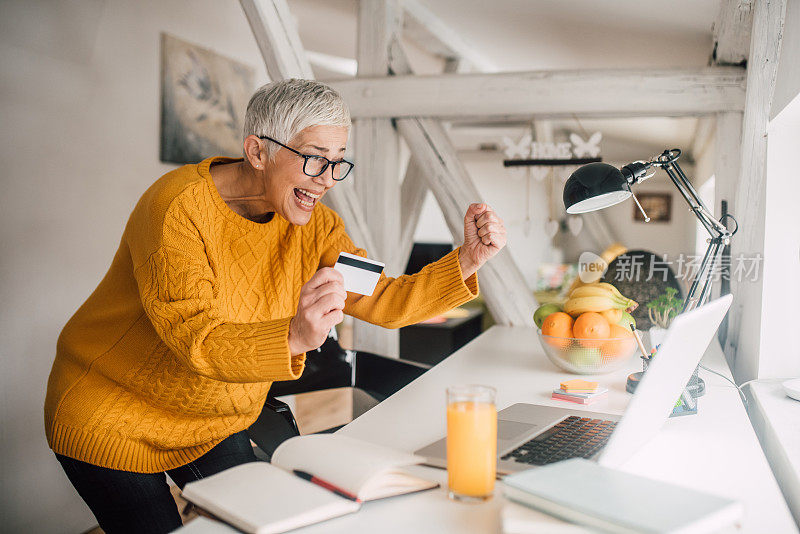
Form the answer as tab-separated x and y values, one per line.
662	310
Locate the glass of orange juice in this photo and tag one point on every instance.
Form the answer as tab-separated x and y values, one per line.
471	442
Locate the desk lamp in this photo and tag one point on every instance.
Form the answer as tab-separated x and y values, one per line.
598	185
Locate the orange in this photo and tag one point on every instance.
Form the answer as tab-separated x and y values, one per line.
559	326
589	327
621	345
612	316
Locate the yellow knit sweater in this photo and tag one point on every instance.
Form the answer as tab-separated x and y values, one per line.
177	347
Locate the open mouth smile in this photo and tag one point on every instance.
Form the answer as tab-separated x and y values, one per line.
305	198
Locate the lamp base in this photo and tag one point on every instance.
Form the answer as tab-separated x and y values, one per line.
696	389
633	381
696	385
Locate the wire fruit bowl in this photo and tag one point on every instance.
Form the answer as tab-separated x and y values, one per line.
588	356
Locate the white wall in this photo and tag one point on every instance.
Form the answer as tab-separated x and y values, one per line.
769	301
787	82
79	108
779	354
673	238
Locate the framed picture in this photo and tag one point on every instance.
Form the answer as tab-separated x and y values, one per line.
203	100
658	207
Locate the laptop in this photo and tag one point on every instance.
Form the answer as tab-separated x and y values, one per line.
530	435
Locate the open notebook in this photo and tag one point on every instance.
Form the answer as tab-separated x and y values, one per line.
311	479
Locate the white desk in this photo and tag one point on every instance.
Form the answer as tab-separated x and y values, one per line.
776	419
716	450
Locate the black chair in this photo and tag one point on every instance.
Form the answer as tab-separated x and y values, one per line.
373	377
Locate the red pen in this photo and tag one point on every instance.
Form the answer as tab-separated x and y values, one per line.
327	485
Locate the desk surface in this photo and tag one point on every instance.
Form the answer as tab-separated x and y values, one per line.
716	450
775	417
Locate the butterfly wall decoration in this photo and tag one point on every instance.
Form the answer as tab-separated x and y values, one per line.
586	149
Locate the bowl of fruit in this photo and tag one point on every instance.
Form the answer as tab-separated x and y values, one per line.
591	332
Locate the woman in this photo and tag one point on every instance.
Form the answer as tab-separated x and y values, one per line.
222	282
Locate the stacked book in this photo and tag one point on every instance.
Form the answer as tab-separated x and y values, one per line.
580	392
599	498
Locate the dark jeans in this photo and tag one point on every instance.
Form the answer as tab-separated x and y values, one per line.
141	502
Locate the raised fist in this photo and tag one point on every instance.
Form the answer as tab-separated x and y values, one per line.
484	236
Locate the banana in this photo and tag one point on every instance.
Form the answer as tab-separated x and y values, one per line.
592	290
578	305
597	297
612	289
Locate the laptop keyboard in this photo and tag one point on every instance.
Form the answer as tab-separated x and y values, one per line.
574	437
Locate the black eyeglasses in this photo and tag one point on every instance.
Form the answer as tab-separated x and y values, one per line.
316	165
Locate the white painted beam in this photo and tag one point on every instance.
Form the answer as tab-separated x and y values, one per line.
727	158
731	31
377	147
455	64
503	286
377	182
343	199
703	134
275	31
428	31
342	66
618	93
379	23
744	334
412	198
422	27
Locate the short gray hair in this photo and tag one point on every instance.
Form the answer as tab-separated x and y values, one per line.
283	109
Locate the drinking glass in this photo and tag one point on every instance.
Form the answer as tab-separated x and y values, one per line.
471	442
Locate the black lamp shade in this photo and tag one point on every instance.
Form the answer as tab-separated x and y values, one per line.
595	186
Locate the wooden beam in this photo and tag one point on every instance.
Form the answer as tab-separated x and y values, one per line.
732	32
379	24
376	141
618	93
343	199
455	64
727	158
744	335
377	183
336	65
505	290
377	147
276	34
428	31
504	287
456	53
412	198
275	30
703	134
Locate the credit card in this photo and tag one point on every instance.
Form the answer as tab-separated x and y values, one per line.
360	274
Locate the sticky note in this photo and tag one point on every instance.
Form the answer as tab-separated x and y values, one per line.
577	384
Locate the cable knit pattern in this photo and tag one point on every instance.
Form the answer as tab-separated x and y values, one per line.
177	347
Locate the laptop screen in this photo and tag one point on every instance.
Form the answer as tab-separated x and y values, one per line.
668	373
